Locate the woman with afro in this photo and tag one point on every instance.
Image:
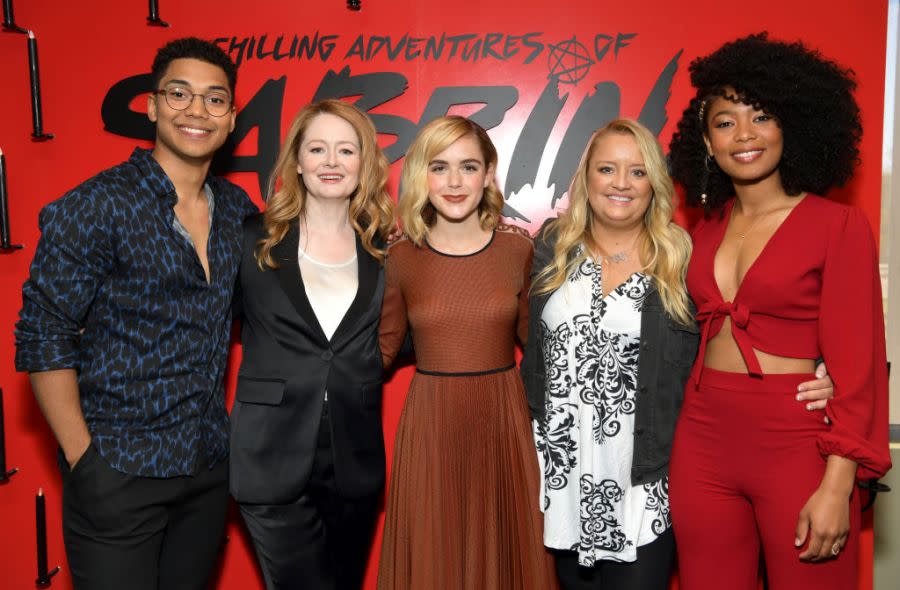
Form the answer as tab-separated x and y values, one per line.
780	276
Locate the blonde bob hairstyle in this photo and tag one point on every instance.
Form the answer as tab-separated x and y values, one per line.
371	208
416	210
665	248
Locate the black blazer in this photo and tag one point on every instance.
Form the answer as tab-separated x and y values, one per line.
287	366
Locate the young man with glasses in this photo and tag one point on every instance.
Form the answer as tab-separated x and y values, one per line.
124	330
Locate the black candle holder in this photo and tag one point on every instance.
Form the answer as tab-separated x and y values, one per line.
7	474
45	580
13	28
153	19
9	19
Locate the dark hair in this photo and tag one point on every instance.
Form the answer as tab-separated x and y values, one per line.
193	48
810	96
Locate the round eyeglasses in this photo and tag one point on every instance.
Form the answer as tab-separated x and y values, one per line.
217	104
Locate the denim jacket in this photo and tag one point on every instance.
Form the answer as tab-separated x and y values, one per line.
667	353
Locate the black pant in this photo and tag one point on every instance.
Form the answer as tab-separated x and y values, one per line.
141	533
650	571
320	541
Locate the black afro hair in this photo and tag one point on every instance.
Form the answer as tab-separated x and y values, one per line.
810	96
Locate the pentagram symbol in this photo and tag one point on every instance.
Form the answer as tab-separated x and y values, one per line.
569	61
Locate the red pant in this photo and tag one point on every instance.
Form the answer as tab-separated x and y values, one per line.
744	462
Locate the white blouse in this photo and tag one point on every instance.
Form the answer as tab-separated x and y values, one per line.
585	441
330	288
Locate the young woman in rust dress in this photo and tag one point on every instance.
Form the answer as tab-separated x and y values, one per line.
462	511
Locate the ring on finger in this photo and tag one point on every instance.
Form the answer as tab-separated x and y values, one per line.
835	549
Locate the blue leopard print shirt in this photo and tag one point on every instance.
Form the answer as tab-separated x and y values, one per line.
117	293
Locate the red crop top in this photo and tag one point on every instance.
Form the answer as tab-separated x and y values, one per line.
814	290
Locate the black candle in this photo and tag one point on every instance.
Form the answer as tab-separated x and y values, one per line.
4	242
3	475
40	518
40	512
9	19
36	114
5	246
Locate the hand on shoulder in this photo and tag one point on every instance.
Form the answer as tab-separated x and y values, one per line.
395	234
396	237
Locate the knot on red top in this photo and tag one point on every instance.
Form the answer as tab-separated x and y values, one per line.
740	318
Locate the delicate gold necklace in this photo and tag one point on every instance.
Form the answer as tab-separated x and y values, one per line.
756	219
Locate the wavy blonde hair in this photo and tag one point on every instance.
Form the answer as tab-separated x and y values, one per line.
416	211
665	248
371	208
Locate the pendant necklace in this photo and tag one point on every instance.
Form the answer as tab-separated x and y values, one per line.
752	225
622	255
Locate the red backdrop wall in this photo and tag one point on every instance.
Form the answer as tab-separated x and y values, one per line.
542	68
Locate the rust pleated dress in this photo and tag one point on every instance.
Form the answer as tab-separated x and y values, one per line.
462	510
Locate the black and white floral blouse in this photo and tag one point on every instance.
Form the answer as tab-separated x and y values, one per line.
586	439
